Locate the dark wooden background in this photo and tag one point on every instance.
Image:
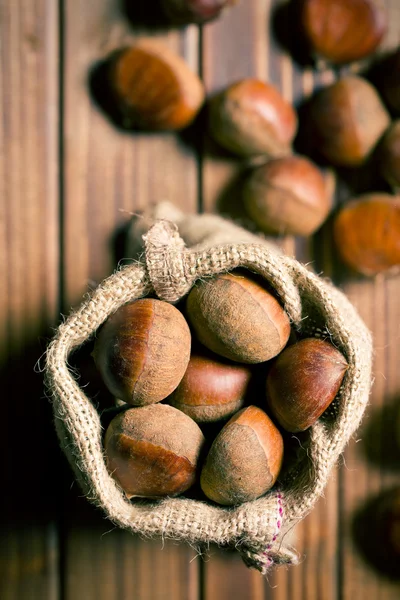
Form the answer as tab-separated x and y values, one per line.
69	181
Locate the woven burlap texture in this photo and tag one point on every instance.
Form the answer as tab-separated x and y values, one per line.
169	268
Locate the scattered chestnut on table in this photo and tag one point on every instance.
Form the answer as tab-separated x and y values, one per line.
346	121
303	381
142	351
234	315
212	388
389	155
342	31
367	233
153	451
251	118
153	88
182	12
244	460
287	196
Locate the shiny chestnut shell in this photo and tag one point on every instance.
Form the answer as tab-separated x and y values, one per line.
287	196
346	121
343	31
142	351
212	388
153	87
367	233
234	315
181	12
303	381
251	117
244	460
152	451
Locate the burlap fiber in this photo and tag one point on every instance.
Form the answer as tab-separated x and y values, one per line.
170	264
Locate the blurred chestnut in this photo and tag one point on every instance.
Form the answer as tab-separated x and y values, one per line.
244	460
342	31
181	12
389	520
142	351
367	233
251	117
235	316
303	382
287	196
153	87
152	451
212	388
347	120
389	155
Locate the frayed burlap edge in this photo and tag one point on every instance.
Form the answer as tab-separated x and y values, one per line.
257	529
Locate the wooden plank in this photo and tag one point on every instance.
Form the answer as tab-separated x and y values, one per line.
29	243
108	175
250	49
233	47
367	471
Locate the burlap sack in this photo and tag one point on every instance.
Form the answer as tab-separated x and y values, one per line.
257	529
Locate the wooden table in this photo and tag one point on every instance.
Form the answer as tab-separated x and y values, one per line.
70	181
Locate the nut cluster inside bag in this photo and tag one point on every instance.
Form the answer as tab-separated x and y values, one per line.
177	251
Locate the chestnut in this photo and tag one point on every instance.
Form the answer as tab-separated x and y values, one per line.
182	12
153	88
287	196
347	120
212	388
251	117
342	31
388	527
367	233
142	351
153	451
303	381
244	460
389	155
234	315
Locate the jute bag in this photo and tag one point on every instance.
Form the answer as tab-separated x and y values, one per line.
169	266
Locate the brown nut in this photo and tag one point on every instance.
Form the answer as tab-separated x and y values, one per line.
244	460
142	351
303	382
250	118
342	31
211	389
154	88
389	155
181	12
287	196
235	316
347	119
367	233
152	451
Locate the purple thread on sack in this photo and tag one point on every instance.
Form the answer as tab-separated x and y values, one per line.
278	522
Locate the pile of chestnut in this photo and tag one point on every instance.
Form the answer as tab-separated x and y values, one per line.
177	370
347	123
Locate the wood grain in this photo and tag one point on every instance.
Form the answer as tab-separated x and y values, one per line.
252	53
109	174
29	252
53	543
